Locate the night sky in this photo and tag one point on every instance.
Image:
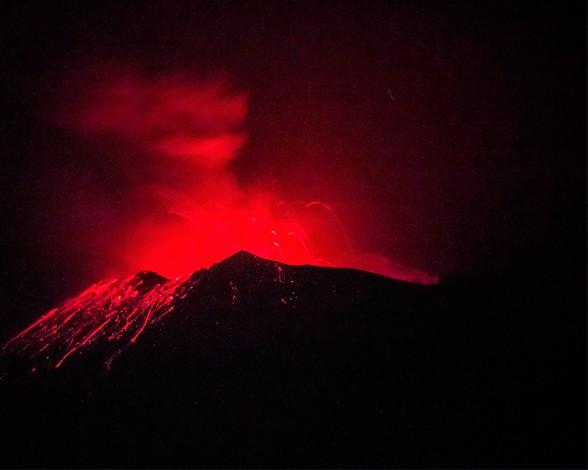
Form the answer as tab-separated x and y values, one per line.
448	136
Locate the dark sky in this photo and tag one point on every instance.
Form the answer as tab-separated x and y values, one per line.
448	135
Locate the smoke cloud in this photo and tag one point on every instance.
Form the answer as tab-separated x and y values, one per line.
170	139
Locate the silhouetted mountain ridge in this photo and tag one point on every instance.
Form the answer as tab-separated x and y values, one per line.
256	363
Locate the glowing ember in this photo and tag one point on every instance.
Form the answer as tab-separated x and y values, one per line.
117	311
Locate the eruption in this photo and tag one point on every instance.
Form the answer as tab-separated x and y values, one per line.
183	208
183	211
117	310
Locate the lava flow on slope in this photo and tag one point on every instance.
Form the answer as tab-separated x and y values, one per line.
112	315
114	310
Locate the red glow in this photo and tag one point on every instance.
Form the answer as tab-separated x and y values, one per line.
187	212
117	311
192	212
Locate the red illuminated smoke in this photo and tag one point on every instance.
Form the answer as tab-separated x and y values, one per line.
187	210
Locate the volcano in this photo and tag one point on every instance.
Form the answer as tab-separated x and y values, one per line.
110	316
257	363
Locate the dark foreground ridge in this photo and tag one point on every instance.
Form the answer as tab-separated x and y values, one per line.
109	317
256	363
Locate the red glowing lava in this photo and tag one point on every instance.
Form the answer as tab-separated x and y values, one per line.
114	310
111	315
188	211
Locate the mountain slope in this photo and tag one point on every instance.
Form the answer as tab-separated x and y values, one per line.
113	314
255	363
